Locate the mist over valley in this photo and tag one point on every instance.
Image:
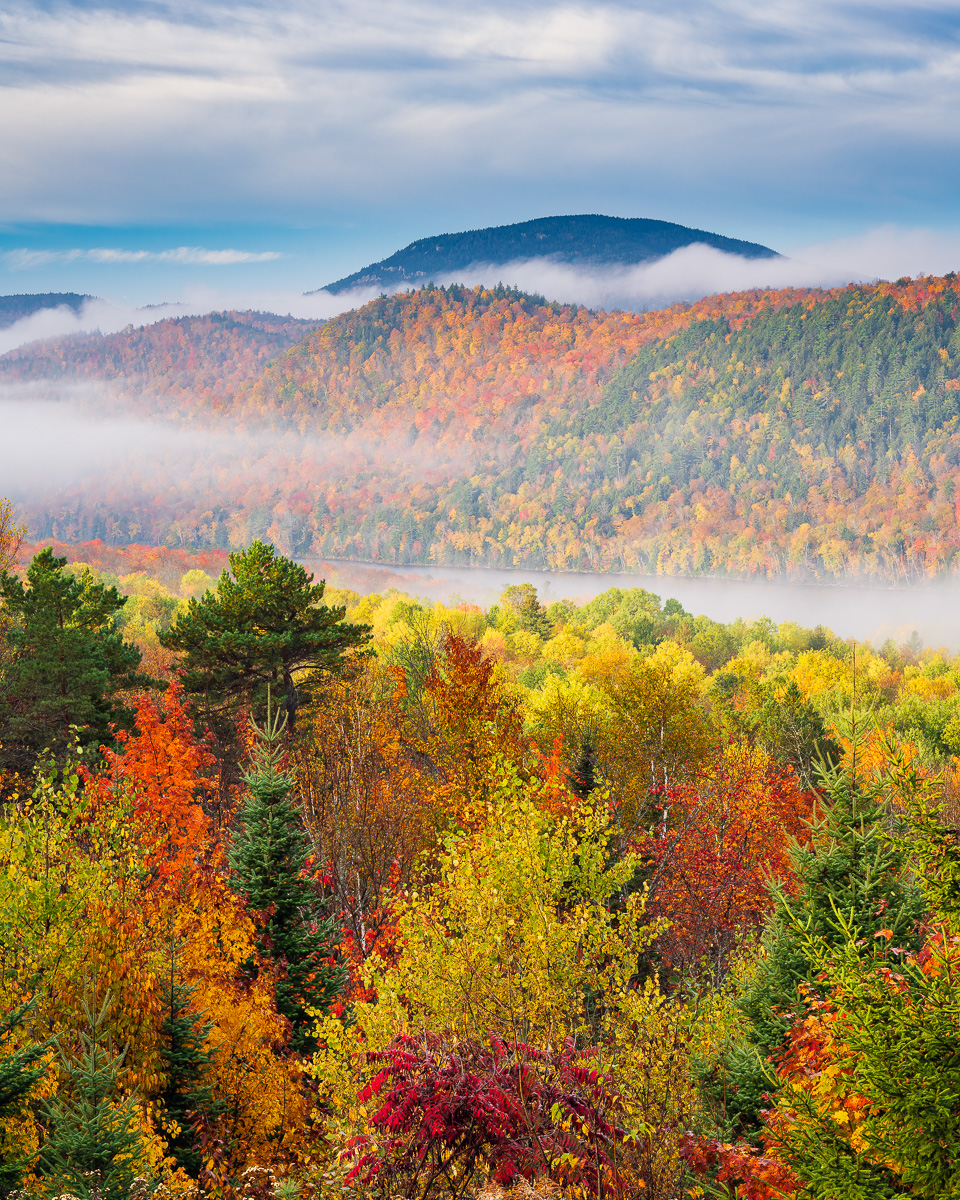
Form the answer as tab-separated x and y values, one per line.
479	600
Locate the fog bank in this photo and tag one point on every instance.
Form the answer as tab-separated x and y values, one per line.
867	613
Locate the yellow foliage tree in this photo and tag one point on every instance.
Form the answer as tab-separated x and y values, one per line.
531	934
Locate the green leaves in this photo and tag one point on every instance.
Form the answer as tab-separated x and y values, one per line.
264	624
66	664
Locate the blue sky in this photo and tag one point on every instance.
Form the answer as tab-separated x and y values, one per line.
157	150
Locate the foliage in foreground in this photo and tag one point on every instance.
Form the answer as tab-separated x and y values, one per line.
545	840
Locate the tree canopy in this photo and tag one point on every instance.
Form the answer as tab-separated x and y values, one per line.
66	663
263	624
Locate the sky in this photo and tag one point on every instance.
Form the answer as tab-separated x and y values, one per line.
216	154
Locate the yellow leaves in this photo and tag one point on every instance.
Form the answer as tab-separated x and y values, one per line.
818	672
515	933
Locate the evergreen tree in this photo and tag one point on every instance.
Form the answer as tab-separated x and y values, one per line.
584	777
263	625
66	663
92	1148
184	1050
267	859
19	1074
852	876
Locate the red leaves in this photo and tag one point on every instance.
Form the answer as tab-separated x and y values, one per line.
724	837
756	1175
511	1108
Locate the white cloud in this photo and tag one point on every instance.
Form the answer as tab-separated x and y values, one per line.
698	270
105	316
26	259
887	252
161	110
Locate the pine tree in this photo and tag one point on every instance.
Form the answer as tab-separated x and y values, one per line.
263	625
267	859
92	1149
66	663
852	876
187	1058
19	1074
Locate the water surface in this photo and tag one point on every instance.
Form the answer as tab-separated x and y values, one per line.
866	613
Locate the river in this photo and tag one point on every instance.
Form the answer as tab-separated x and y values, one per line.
867	613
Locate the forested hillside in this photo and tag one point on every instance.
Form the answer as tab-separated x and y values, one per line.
795	433
588	241
198	359
12	308
312	895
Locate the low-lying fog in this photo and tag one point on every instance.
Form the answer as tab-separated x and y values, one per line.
687	274
58	438
867	613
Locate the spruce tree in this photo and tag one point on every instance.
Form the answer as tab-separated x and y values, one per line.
583	779
267	859
187	1058
19	1074
92	1149
852	876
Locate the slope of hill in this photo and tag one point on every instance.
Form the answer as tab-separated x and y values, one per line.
203	359
585	240
13	308
802	433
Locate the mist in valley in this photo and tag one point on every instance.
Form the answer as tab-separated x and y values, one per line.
83	441
688	274
871	614
70	443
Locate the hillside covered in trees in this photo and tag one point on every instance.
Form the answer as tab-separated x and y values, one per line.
799	434
189	361
312	895
13	308
587	241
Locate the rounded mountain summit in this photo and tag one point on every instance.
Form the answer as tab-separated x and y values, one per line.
582	240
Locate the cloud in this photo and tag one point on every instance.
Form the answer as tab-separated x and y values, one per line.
866	613
105	316
698	270
159	110
25	259
886	252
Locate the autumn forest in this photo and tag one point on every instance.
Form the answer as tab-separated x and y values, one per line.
309	893
801	434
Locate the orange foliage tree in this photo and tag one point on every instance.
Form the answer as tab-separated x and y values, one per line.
472	721
723	839
165	768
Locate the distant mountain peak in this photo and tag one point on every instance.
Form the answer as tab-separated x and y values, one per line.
14	308
588	240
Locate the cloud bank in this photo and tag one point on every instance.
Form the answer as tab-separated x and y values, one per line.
159	110
688	274
105	316
25	259
696	271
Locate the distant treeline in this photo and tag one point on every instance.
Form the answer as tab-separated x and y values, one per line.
798	433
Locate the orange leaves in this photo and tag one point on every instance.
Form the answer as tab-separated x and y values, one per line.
725	836
753	1174
365	799
472	721
164	766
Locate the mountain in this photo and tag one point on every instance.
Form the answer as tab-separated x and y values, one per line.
802	434
201	359
584	240
13	308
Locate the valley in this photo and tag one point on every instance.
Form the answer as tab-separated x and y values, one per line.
801	434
